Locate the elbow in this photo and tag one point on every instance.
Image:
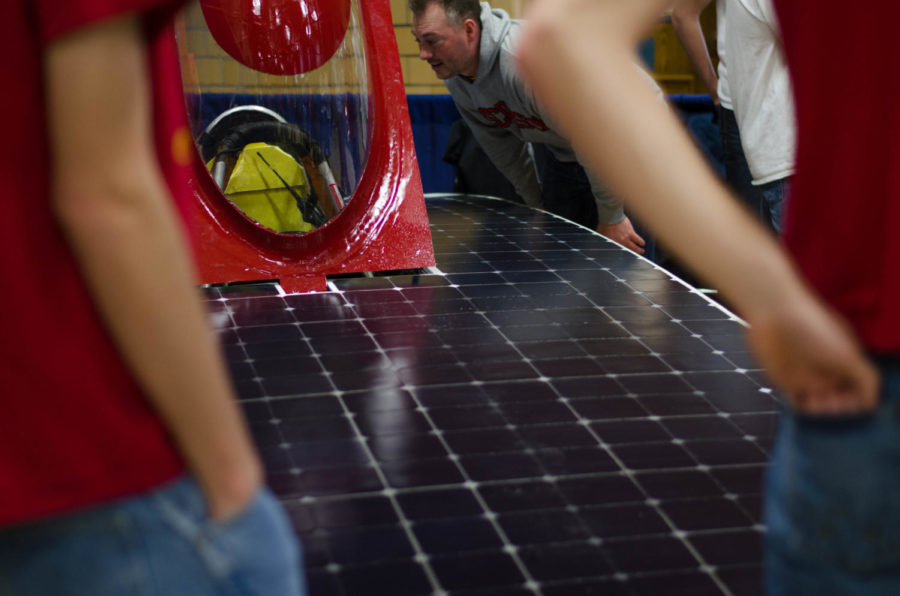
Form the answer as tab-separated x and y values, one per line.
540	32
87	208
73	207
684	20
545	41
85	214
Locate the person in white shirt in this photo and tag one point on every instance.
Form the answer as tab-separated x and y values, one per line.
763	104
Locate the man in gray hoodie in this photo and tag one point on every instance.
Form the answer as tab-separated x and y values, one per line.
471	47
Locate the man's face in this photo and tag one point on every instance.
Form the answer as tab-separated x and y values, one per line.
450	51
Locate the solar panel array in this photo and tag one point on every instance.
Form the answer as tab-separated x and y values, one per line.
545	413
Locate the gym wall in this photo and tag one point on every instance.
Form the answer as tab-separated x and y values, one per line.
222	75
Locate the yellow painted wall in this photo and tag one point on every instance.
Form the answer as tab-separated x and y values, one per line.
672	68
203	60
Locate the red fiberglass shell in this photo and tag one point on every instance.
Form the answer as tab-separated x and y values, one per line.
384	226
279	37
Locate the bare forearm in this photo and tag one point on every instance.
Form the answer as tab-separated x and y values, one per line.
135	263
115	209
686	23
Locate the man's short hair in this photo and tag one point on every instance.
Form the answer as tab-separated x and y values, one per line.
457	10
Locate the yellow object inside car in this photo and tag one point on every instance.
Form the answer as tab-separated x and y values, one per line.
255	188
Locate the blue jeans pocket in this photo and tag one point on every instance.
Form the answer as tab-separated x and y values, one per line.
252	553
834	490
162	543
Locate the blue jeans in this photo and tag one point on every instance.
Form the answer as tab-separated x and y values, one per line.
159	544
774	195
737	172
833	502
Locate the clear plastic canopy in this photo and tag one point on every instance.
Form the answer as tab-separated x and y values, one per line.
279	104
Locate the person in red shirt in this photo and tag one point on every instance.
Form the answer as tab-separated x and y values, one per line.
125	465
825	323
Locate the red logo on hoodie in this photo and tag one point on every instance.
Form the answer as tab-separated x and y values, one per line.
502	117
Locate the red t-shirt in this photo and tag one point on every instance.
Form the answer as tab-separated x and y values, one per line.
75	429
843	215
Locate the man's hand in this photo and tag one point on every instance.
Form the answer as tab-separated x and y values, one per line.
814	358
623	233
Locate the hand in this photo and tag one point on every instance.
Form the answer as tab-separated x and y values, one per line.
230	488
623	233
814	358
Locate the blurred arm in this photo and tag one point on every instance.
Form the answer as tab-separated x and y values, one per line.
578	56
511	157
686	22
114	207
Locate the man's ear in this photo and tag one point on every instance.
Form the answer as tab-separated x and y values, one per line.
471	28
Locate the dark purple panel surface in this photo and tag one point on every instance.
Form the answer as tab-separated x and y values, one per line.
544	413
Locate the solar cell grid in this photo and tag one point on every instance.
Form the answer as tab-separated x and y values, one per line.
546	413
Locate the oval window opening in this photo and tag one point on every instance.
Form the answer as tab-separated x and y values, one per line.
278	102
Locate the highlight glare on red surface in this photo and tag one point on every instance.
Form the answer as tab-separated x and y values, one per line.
279	37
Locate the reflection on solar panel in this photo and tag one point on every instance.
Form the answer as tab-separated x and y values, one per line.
550	414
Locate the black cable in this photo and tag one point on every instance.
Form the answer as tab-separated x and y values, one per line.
312	213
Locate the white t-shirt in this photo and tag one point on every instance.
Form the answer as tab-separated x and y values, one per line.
722	89
760	89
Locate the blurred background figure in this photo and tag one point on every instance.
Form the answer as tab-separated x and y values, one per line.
763	105
755	109
686	24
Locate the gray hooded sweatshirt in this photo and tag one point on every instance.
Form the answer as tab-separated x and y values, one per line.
504	115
